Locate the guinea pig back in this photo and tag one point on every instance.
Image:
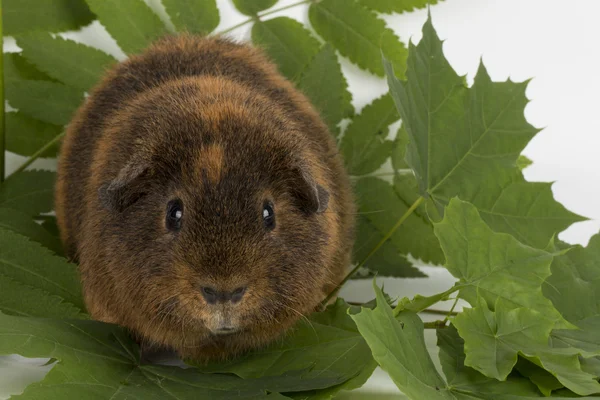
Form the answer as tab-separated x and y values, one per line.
203	198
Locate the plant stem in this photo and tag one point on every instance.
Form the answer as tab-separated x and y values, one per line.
377	247
438	312
38	153
2	126
434	324
451	312
259	16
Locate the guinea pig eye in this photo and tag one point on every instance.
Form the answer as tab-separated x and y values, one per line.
174	214
268	215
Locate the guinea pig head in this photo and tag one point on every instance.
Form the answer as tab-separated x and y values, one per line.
229	208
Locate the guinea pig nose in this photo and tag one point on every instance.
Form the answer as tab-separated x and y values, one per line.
237	294
210	295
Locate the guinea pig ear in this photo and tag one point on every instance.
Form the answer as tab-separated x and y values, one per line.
125	189
313	197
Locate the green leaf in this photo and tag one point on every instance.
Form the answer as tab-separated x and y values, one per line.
253	7
16	67
466	142
467	383
70	62
20	16
526	210
23	224
31	192
194	16
381	205
21	300
30	264
327	345
358	34
387	261
544	380
492	265
494	339
47	101
324	84
291	46
25	135
573	289
399	150
131	23
97	360
523	162
398	345
395	6
364	145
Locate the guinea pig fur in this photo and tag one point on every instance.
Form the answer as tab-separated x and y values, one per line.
203	198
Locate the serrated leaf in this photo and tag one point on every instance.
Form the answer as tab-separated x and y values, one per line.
253	7
72	63
131	23
544	380
387	261
492	265
30	264
194	16
324	84
25	301
395	6
523	162
291	46
20	16
493	339
98	360
467	383
23	224
31	192
25	135
466	142
398	345
573	289
399	149
16	67
50	102
380	204
358	34
364	145
327	345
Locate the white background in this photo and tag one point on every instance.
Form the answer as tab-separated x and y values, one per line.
555	42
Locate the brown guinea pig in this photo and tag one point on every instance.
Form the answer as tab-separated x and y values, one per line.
204	199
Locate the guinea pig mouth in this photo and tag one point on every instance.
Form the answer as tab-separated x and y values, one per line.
224	331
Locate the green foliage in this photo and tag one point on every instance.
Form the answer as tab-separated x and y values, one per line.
395	6
455	195
253	7
194	16
20	16
365	146
288	44
25	135
131	23
324	84
358	34
67	61
31	192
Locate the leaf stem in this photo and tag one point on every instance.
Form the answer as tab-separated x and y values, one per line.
2	124
434	324
388	235
451	312
259	16
38	153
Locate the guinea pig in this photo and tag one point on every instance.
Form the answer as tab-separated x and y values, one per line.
204	199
